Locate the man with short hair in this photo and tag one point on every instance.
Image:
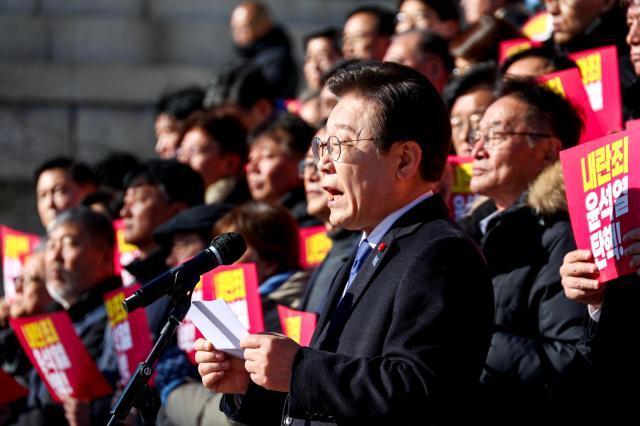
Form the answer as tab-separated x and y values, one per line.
61	183
156	191
440	16
321	51
257	39
533	366
367	33
79	265
171	110
424	52
405	329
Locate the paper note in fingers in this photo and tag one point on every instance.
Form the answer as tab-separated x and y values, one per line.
219	325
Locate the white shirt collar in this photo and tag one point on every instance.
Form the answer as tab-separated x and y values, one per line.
379	231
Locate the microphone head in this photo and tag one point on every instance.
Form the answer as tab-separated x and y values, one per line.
230	246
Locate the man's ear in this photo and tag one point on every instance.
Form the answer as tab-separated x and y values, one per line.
409	156
552	150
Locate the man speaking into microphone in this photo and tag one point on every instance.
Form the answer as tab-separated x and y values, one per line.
407	323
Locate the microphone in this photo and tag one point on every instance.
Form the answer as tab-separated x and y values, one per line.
223	250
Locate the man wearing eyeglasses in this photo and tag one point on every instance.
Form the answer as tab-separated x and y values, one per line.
404	332
524	230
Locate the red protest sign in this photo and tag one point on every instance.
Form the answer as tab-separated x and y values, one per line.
600	76
461	198
314	245
238	286
568	83
603	197
60	358
123	254
16	245
131	334
298	325
511	47
11	390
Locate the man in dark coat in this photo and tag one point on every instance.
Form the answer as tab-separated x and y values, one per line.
257	39
405	330
525	232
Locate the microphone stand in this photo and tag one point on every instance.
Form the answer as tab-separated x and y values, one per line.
137	393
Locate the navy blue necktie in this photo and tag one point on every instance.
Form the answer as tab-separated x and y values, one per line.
363	251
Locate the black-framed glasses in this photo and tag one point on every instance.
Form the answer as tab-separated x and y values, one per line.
307	167
492	138
333	146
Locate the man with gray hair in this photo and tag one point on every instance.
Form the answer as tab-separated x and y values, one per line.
79	265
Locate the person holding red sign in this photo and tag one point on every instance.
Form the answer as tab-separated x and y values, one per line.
405	331
524	229
79	264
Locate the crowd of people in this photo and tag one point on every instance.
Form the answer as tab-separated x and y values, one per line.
495	319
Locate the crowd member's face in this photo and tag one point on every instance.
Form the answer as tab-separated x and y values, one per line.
466	113
532	66
633	37
145	207
361	182
474	9
316	197
360	38
167	136
74	262
204	155
245	27
272	170
504	171
404	50
31	292
56	191
572	17
414	14
319	57
185	245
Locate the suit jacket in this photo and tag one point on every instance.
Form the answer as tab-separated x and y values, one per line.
405	345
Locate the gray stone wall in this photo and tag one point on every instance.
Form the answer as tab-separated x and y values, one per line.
79	77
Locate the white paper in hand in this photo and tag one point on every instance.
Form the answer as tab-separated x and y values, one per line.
219	325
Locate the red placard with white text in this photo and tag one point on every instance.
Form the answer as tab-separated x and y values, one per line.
11	390
604	198
123	254
298	325
601	80
131	334
238	285
511	47
632	124
16	245
57	353
568	83
461	198
314	245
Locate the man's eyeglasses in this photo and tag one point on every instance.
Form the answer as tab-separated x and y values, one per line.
333	146
492	138
307	168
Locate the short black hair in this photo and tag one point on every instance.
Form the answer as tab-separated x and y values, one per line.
111	170
385	18
287	129
96	225
430	42
342	63
483	74
226	130
179	181
446	9
329	33
546	109
180	103
408	108
79	172
560	61
241	83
